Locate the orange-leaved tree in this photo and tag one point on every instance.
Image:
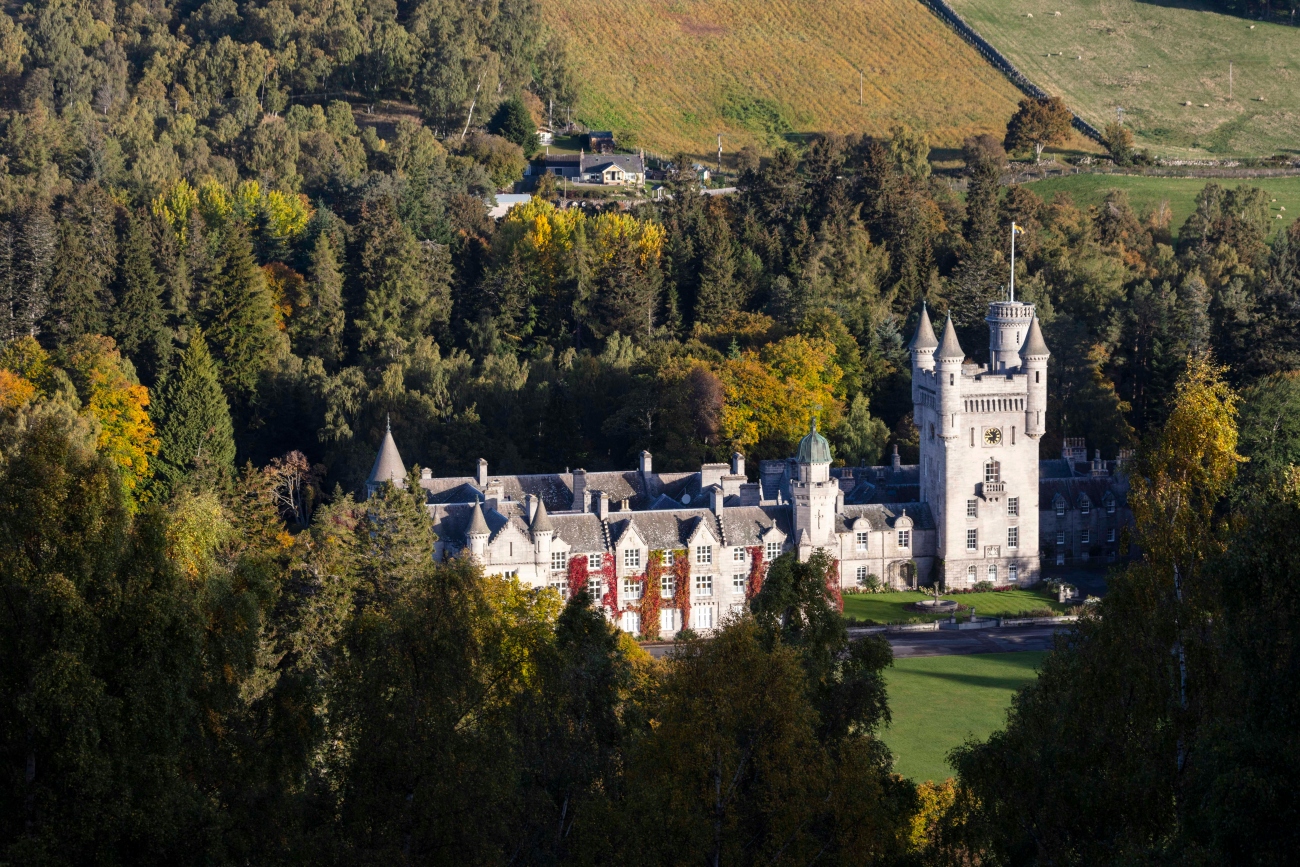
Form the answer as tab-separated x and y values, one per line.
771	393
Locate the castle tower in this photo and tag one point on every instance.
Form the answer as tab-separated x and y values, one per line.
388	466
814	493
477	533
979	427
543	531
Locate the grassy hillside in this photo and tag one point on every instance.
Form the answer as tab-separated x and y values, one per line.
1146	193
675	73
1150	58
940	701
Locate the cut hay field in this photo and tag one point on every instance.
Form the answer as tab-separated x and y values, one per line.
939	701
675	73
1150	58
1145	193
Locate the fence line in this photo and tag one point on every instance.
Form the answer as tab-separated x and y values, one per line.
1001	63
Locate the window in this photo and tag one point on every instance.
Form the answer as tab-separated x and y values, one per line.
632	588
1060	508
702	616
773	550
668	559
559	561
703	554
862	541
1085	536
1085	506
1060	537
595	590
559	585
1110	535
1013	537
1060	558
738	582
970	574
905	539
1110	505
737	555
972	508
992	471
631	622
1013	572
632	558
861	575
667	585
595	561
972	539
1013	507
703	585
993	574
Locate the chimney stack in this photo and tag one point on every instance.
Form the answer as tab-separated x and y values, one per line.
581	498
737	464
895	461
482	477
600	504
644	464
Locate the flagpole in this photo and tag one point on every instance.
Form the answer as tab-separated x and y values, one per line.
1013	261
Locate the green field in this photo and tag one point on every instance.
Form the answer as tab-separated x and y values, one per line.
670	75
939	701
1145	193
891	607
1151	58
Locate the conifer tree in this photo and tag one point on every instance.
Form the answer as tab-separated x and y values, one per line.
79	302
241	323
139	320
195	432
717	294
318	330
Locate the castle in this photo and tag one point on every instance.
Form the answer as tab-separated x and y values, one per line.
979	507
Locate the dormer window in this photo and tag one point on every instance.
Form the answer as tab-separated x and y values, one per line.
1060	508
703	554
1085	506
1110	505
632	558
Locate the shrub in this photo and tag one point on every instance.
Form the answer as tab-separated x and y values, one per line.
983	587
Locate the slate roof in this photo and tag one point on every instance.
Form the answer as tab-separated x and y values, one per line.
388	466
949	347
924	337
1070	489
882	516
1034	344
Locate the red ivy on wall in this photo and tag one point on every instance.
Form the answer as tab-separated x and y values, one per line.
757	569
577	574
833	585
682	588
651	599
609	577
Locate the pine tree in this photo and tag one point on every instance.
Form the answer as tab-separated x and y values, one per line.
79	302
318	330
195	432
139	321
241	323
716	299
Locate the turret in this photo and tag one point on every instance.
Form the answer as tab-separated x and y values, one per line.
1008	323
388	466
1033	362
923	343
477	533
949	357
543	534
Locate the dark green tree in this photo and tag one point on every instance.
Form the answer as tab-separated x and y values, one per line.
139	320
719	294
195	434
513	122
239	321
318	330
79	303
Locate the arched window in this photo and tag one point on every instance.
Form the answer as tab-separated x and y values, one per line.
992	471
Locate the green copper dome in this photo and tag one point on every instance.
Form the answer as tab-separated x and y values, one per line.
813	449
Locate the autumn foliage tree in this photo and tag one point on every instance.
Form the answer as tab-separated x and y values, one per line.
1038	123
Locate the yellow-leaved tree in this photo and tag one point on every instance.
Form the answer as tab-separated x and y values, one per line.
112	395
771	394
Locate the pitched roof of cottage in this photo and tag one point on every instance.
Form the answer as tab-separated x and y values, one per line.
948	346
388	466
924	337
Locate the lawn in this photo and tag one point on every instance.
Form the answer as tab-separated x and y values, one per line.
891	607
1144	193
1151	58
670	75
938	702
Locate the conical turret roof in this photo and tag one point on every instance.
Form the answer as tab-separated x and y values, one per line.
1034	344
949	348
477	525
924	337
388	463
542	521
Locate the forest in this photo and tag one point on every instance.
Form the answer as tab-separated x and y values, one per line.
227	261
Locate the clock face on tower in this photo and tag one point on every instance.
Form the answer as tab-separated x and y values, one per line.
992	436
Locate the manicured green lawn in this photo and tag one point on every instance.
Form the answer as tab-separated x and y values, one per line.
1145	193
891	607
939	702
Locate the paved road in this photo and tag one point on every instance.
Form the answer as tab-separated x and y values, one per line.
949	642
953	643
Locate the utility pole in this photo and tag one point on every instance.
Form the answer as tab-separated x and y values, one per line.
859	87
719	153
1119	113
1229	79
